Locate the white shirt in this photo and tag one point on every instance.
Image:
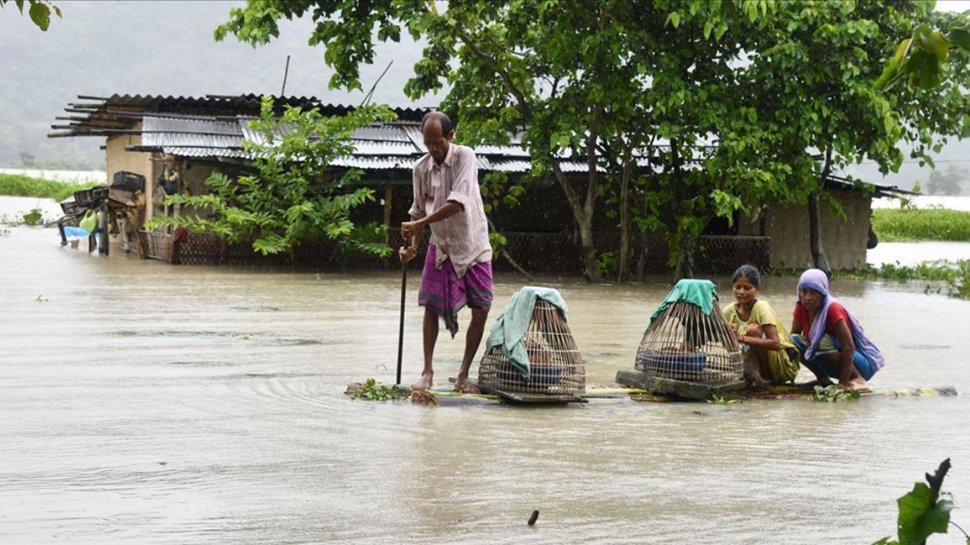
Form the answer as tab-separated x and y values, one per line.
462	237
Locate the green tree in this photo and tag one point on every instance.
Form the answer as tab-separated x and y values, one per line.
295	195
808	78
39	11
679	110
919	59
566	76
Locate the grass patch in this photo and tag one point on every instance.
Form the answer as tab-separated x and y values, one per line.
16	185
913	224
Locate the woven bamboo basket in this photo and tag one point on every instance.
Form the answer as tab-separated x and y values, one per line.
556	366
683	343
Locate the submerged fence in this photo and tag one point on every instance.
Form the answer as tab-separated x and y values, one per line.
535	252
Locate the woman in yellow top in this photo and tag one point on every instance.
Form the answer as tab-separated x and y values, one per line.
769	353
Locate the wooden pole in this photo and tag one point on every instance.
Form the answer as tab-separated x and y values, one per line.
400	333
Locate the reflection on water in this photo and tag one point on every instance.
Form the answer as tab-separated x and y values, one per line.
141	402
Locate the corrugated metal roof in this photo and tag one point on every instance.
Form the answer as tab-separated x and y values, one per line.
94	116
376	163
384	133
414	134
519	165
371	147
378	147
373	140
508	151
201	152
395	145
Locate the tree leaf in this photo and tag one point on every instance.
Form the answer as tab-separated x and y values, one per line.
902	50
889	76
935	43
919	516
708	27
960	37
673	19
40	14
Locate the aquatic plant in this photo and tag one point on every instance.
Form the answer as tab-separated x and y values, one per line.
924	511
952	278
33	217
721	400
16	185
371	390
832	393
914	224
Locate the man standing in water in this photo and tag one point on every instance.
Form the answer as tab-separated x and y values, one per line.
458	266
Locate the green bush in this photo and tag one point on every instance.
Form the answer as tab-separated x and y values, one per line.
16	185
908	225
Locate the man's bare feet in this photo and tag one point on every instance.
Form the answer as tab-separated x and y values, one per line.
462	385
424	383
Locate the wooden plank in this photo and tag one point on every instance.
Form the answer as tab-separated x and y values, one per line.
676	388
599	395
519	397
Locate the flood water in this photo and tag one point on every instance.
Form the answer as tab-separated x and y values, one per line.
147	403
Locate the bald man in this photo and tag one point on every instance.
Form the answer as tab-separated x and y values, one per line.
458	265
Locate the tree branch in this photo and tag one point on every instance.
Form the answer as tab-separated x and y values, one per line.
506	78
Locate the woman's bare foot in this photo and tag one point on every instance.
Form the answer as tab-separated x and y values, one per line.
822	381
424	383
462	385
857	384
756	382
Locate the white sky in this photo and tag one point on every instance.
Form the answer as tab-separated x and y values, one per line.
952	5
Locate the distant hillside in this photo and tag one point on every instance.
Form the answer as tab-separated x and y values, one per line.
102	48
954	158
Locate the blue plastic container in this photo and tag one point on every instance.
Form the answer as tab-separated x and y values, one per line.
541	375
693	362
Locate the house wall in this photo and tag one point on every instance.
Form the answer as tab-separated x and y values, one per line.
844	240
140	162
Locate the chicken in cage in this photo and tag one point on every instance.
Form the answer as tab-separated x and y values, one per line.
688	339
531	349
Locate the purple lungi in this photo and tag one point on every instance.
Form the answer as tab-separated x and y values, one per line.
444	293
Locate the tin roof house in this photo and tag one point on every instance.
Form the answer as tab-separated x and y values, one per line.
151	136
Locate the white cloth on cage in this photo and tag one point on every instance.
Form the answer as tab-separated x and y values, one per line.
510	328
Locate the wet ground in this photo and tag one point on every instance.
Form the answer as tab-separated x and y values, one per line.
147	403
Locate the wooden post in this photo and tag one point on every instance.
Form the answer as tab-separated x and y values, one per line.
388	204
103	226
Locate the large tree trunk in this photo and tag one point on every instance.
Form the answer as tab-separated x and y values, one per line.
815	235
583	216
583	212
623	271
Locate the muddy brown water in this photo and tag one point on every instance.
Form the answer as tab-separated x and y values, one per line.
148	403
